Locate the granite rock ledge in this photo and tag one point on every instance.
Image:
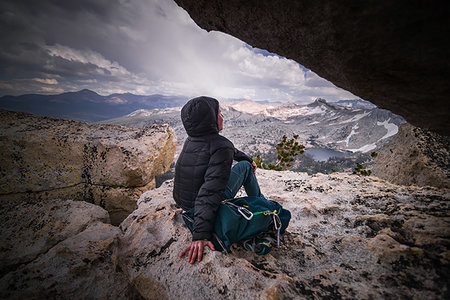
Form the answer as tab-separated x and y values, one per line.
109	165
350	237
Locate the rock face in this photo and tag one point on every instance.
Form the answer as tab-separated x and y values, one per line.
31	229
350	237
56	249
415	156
108	165
380	50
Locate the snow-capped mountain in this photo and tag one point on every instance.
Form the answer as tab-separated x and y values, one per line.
357	103
255	127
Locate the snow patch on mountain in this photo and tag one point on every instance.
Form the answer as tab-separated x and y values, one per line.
313	123
364	149
353	132
355	118
247	106
390	127
317	110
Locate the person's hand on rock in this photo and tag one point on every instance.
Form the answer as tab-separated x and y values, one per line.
196	250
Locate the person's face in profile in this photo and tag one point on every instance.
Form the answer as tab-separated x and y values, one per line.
220	120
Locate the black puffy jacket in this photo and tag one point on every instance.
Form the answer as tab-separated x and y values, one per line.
203	167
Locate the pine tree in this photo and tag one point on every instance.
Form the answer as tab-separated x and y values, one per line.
286	152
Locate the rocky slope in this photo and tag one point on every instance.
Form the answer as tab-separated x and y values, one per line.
350	237
415	156
45	158
252	126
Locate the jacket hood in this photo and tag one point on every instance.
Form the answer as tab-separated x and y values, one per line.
199	116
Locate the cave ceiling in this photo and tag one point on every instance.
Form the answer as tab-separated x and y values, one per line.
392	53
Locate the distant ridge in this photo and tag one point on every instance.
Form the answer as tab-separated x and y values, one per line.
87	105
355	103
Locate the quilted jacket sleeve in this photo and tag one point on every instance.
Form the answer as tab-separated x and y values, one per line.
210	193
239	156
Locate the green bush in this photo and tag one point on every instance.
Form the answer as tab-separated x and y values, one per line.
286	152
361	170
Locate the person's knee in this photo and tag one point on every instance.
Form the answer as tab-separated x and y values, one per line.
242	167
245	165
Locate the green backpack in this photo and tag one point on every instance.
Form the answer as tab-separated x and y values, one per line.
245	219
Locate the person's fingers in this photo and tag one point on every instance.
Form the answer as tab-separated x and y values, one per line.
191	253
200	252
194	253
196	250
184	251
210	245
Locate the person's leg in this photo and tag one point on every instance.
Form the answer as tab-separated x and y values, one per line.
242	175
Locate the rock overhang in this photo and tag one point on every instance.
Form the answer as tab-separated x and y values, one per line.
389	53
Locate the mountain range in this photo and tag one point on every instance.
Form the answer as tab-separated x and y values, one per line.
335	134
86	105
348	134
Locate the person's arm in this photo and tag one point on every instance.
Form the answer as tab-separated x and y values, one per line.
239	156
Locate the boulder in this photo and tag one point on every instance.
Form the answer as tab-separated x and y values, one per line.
109	165
80	267
350	237
56	249
392	53
29	229
415	156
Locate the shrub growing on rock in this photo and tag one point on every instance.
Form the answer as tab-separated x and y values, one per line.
361	170
286	152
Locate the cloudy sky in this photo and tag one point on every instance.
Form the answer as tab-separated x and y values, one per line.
142	47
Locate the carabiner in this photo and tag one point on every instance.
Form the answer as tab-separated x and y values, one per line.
248	215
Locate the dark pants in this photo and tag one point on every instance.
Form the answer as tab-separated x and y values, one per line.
242	175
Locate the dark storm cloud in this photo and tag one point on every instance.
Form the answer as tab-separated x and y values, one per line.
75	24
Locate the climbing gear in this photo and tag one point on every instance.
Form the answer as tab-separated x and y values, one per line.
243	219
260	245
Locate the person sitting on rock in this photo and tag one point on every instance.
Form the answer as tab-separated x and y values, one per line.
203	173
